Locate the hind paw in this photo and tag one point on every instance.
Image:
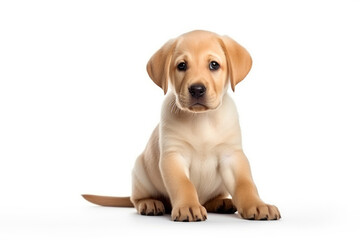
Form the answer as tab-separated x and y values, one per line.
150	207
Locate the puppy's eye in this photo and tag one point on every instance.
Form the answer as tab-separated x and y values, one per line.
182	66
214	66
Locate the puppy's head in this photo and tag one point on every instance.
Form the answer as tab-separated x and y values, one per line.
199	66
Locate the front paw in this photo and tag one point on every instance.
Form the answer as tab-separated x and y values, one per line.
260	211
189	213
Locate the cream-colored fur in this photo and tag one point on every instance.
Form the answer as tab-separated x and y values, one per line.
194	158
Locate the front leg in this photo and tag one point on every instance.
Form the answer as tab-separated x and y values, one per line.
183	195
236	173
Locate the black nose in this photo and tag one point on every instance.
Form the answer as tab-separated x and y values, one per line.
197	90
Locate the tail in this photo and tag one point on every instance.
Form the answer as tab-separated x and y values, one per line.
109	201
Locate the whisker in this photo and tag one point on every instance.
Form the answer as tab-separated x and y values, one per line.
173	108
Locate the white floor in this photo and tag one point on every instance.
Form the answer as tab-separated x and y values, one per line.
86	221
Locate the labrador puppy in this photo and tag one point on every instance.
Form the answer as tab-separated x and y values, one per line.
194	158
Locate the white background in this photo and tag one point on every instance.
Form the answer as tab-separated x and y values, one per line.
77	107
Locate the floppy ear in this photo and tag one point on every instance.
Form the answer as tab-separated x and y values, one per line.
238	59
158	66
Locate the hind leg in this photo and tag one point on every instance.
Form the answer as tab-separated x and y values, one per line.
220	204
144	202
145	197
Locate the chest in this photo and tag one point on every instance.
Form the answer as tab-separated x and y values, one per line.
203	137
203	172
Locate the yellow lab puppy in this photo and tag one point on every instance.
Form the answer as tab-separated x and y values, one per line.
194	158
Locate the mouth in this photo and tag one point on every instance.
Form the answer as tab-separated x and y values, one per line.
198	107
194	105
